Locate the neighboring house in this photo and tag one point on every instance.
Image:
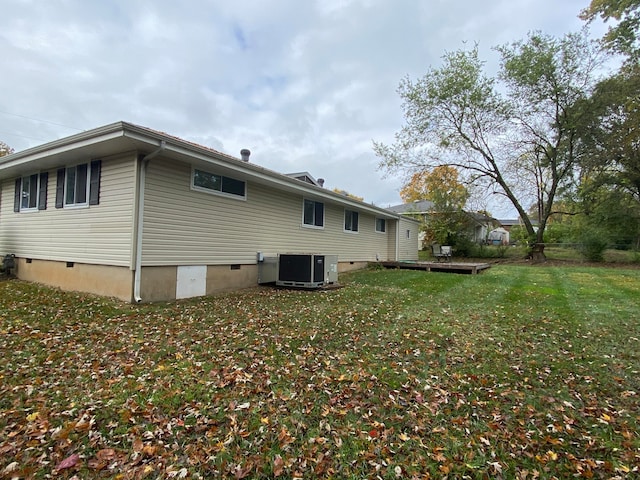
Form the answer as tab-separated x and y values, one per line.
129	212
479	225
508	224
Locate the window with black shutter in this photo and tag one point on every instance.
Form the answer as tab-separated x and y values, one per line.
79	185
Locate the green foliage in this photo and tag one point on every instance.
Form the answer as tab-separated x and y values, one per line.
558	233
591	244
519	234
610	188
622	37
523	142
462	245
445	227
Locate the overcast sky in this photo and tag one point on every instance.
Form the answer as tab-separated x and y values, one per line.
305	85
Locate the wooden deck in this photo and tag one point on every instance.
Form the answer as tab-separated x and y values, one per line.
451	267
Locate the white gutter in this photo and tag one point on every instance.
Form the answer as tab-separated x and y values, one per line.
140	220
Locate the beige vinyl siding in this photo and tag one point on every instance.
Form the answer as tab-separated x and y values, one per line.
188	227
408	247
98	234
392	228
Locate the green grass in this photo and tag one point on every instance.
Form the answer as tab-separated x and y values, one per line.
518	372
488	252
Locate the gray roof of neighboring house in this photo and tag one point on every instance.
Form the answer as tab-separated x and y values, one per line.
420	206
510	222
481	217
426	206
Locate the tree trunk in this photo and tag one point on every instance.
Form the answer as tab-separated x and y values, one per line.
536	253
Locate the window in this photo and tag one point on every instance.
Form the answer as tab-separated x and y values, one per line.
350	221
381	225
79	185
408	233
213	183
76	185
31	193
313	213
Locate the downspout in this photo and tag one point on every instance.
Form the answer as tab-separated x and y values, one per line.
140	220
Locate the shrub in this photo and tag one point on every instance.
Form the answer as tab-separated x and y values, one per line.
592	244
462	246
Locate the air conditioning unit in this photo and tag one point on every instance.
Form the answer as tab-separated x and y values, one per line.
306	270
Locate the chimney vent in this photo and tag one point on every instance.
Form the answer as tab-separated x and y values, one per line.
244	154
321	182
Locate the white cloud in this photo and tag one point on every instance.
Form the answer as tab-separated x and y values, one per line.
305	86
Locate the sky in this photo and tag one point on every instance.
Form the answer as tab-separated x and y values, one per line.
305	85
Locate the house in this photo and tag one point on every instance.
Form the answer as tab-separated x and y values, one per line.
478	225
137	214
508	224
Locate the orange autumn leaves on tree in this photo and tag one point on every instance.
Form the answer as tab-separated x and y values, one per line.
440	186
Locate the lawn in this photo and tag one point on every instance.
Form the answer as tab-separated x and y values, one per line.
520	372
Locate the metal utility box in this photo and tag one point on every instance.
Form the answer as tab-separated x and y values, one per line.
307	270
267	269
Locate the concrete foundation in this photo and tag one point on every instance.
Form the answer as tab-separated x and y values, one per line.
349	266
158	284
105	280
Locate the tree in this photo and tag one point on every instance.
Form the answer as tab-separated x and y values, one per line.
440	186
610	181
447	195
5	149
347	194
612	132
522	143
622	37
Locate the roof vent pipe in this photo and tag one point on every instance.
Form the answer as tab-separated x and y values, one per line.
244	154
321	182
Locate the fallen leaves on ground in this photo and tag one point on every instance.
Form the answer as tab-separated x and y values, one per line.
397	375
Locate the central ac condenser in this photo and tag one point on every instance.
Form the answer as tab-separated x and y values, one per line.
306	270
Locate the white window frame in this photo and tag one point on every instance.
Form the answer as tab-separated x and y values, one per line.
384	223
31	194
75	204
313	225
211	191
357	218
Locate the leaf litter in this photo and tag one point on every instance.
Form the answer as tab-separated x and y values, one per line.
397	375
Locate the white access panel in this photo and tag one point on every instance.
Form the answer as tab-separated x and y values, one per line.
191	281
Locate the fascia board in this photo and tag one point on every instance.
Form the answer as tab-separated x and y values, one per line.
17	163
